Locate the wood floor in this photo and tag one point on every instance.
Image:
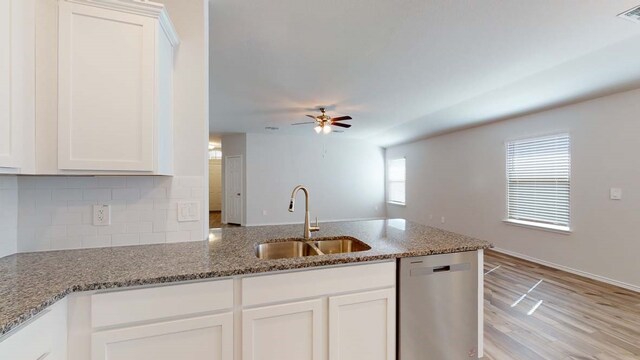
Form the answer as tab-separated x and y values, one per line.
215	220
536	312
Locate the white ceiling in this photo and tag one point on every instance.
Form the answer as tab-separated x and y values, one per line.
412	68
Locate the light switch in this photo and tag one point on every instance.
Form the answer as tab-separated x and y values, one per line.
615	194
188	211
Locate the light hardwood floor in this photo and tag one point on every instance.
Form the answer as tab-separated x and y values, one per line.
215	220
575	318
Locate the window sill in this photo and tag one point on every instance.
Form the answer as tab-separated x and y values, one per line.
538	226
396	203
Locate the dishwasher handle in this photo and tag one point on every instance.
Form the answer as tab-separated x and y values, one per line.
442	269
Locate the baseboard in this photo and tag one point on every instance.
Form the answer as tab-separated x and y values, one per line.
570	270
322	221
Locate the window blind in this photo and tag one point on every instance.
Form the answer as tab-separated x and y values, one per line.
396	181
539	180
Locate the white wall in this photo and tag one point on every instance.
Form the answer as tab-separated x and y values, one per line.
8	214
345	178
461	176
215	185
54	210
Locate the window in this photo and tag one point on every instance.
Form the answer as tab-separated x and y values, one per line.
396	181
538	181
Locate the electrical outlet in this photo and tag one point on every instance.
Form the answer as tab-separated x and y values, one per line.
188	211
101	215
615	194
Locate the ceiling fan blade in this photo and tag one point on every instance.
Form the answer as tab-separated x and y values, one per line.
304	123
341	118
311	116
346	126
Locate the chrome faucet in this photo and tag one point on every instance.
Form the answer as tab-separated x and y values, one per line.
308	229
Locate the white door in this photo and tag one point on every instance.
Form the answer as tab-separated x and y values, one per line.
202	338
284	332
363	326
233	189
106	89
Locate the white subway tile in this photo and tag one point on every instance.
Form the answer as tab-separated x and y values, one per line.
97	194
198	235
96	241
52	232
125	194
190	181
66	194
153	238
179	192
82	230
125	239
111	182
125	216
51	182
163	181
190	225
82	182
66	218
140	204
154	193
196	193
139	227
27	182
178	236
140	182
70	242
112	229
32	243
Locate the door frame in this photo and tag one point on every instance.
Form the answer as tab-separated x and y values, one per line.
227	188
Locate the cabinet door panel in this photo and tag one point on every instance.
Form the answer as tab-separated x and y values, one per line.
284	332
203	338
362	326
106	89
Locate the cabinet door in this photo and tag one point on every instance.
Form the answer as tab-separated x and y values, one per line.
14	60
362	326
207	337
284	332
106	89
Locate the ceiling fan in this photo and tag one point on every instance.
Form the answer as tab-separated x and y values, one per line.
324	122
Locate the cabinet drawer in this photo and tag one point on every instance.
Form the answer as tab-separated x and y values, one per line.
128	306
313	283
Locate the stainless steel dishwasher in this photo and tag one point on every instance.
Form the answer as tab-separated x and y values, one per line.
438	307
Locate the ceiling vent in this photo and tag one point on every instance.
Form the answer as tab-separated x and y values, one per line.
632	14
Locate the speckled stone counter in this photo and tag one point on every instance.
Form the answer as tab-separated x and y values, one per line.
31	282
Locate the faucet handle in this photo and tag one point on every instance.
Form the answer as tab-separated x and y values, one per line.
316	227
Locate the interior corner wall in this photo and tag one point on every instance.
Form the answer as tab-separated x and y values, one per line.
8	215
345	178
461	176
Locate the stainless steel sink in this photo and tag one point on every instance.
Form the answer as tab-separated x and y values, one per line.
302	247
284	249
341	245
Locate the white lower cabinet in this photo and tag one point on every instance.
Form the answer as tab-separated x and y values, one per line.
362	326
332	313
200	338
44	338
292	331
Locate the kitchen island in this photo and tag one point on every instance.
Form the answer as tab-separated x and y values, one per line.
32	282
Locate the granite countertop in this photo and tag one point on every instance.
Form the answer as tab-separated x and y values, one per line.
31	282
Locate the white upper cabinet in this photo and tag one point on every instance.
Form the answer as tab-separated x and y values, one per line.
16	80
115	80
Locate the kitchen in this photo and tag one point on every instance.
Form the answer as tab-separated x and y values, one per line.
108	108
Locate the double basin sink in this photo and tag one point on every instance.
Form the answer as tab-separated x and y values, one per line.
309	247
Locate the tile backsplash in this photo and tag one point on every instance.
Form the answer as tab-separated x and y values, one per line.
8	214
56	212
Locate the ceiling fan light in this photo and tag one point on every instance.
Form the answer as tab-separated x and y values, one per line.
326	129
318	129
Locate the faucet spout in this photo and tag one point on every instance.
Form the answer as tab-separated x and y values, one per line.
308	229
